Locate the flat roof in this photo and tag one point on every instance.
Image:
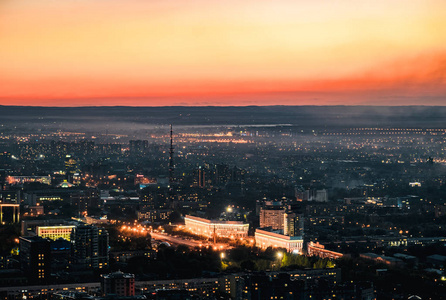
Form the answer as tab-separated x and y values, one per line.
198	219
277	235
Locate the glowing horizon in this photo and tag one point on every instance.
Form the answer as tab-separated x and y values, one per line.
163	53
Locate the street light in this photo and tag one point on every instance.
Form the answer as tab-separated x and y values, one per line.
279	256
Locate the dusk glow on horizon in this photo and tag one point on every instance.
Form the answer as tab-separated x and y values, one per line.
207	52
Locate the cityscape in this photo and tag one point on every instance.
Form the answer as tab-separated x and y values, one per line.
222	150
197	209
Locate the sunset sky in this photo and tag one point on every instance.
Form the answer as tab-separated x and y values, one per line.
209	52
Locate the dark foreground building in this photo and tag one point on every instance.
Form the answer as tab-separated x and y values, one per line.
35	259
119	284
89	246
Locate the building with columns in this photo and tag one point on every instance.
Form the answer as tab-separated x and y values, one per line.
211	228
275	239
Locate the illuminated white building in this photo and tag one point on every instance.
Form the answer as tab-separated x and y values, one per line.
316	249
265	239
55	232
205	227
28	179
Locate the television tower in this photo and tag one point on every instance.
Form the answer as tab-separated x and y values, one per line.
171	166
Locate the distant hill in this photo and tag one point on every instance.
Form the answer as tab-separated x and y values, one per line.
305	116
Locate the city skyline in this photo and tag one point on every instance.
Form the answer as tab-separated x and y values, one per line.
165	53
229	150
319	202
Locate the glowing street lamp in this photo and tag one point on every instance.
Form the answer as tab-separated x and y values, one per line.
279	256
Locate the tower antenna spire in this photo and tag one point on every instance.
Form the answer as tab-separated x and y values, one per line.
171	165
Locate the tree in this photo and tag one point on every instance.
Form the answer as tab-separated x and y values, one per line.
319	264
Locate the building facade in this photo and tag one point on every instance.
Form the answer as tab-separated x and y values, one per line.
9	213
265	238
118	283
89	246
216	228
35	258
271	216
293	224
13	180
55	232
316	249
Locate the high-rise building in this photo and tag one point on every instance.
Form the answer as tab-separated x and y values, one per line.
35	258
118	284
293	224
85	199
222	174
70	167
201	177
311	195
232	285
90	247
171	163
138	147
272	216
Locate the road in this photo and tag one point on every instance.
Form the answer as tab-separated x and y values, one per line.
190	243
177	240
